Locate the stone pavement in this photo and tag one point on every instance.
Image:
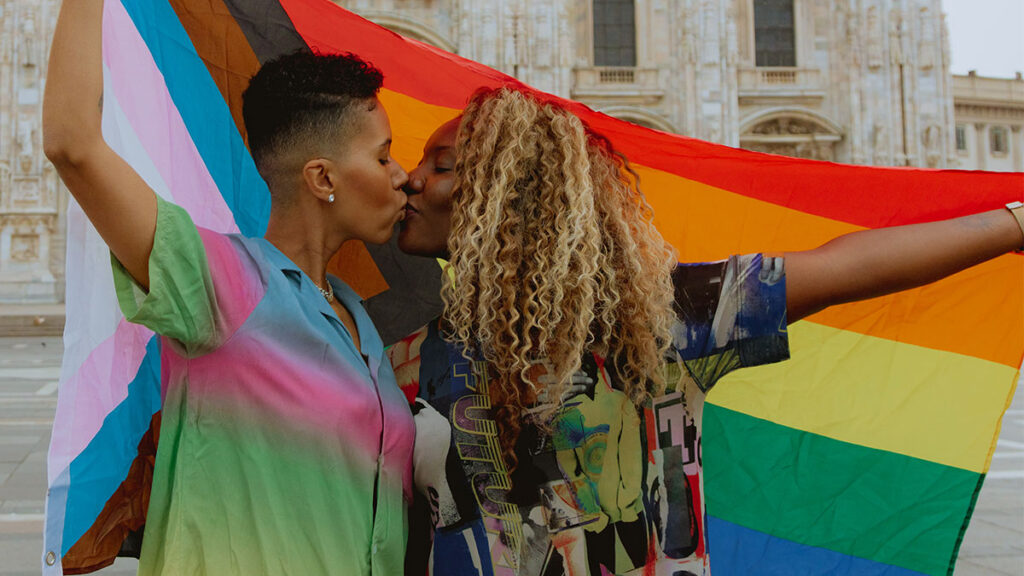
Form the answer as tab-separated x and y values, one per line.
30	368
994	543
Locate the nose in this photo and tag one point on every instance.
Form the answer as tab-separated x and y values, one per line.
414	185
399	177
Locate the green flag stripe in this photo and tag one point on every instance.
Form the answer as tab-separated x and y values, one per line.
836	495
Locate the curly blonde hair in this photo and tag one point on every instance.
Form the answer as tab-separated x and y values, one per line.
553	253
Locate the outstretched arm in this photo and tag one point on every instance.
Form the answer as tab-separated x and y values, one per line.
876	262
117	201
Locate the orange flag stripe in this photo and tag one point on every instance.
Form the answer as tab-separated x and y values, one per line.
720	223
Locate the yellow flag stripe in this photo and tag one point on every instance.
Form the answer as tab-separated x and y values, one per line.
880	394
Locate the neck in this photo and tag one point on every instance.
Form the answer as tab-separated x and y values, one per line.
303	238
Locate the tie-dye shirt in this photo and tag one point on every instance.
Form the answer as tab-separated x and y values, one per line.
612	489
283	449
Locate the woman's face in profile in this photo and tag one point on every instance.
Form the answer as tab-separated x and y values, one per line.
424	231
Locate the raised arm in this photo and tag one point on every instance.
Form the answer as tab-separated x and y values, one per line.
117	201
872	263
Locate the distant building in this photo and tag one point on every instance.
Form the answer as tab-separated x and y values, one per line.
857	81
989	118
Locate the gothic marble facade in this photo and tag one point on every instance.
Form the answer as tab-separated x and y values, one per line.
32	199
870	85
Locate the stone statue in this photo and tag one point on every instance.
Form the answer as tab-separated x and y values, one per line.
732	53
880	142
714	130
932	140
709	32
5	182
689	41
28	42
895	38
853	38
874	47
26	145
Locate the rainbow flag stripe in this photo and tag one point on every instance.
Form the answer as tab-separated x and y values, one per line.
862	455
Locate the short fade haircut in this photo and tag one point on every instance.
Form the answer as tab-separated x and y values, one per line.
304	98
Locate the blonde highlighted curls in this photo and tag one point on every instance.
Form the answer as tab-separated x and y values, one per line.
553	253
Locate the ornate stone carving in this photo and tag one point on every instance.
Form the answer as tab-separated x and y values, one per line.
797	136
786	126
25	247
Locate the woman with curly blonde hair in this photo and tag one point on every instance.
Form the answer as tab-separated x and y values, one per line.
559	396
553	252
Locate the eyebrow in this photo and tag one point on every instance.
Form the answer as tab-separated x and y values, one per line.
385	145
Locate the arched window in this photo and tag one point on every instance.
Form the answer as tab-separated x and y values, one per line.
774	33
614	33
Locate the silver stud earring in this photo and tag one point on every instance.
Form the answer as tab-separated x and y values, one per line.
330	199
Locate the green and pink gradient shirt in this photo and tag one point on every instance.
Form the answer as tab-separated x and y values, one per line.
283	448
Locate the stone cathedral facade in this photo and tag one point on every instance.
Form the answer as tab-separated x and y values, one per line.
859	81
856	81
32	199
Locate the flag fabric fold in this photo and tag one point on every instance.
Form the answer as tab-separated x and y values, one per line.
863	454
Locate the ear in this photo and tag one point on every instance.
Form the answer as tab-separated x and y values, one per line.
319	176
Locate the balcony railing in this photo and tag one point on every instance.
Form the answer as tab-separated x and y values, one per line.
617	81
616	75
787	82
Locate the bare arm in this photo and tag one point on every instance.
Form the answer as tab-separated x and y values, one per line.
117	201
876	262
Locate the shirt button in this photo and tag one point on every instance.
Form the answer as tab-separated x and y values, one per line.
375	549
51	558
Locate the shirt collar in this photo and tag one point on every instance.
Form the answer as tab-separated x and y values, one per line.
371	343
278	259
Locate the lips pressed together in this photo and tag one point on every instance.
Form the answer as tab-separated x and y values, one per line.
408	211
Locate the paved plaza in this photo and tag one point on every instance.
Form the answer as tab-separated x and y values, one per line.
30	368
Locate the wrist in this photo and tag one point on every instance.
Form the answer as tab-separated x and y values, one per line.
1017	210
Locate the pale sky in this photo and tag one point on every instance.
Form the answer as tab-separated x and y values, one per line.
986	35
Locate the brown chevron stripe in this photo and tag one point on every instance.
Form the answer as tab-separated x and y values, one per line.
223	47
